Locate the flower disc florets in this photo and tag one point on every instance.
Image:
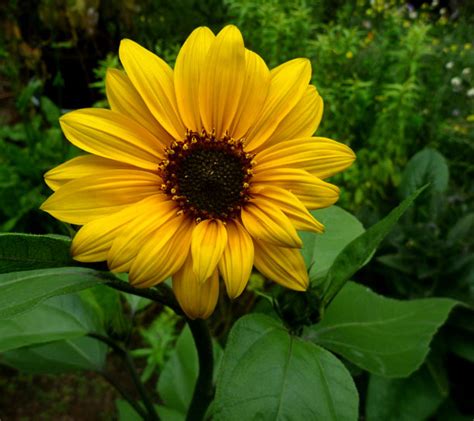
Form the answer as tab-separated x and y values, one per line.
207	176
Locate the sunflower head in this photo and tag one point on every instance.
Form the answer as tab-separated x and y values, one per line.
200	172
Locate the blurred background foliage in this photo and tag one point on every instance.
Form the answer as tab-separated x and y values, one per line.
398	85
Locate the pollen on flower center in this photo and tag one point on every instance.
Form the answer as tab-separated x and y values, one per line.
207	176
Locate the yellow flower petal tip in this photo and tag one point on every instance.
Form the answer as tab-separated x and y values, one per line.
200	172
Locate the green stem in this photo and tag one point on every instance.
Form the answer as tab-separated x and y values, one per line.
161	293
125	355
203	391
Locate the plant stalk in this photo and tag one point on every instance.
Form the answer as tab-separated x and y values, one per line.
125	355
161	293
203	391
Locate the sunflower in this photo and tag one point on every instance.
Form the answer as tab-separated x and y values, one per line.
198	172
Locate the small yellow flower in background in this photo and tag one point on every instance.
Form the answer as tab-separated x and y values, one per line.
200	172
349	55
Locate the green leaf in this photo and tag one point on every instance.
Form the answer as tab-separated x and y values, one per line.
320	250
462	231
357	253
384	336
82	353
415	398
56	319
461	343
426	166
20	291
50	110
169	414
135	302
127	413
178	377
268	374
107	305
26	251
177	380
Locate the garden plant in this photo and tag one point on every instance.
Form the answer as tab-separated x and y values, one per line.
182	239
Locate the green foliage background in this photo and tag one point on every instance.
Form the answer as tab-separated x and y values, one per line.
398	87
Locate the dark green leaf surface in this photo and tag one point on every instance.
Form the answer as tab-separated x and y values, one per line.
267	374
426	166
56	319
320	250
357	252
82	353
415	398
20	291
20	252
382	335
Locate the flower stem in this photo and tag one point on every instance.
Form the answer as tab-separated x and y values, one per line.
161	293
125	355
203	391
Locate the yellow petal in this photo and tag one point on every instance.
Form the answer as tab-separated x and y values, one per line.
291	207
236	263
131	239
153	79
112	135
81	166
163	253
124	98
221	81
208	244
302	120
269	223
282	265
319	156
254	92
197	299
187	73
93	241
85	199
313	192
288	84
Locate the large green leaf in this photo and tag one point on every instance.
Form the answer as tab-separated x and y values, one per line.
382	335
268	374
358	251
414	398
26	251
20	291
426	166
320	250
82	353
58	318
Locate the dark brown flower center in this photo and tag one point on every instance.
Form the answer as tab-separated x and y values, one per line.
208	177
